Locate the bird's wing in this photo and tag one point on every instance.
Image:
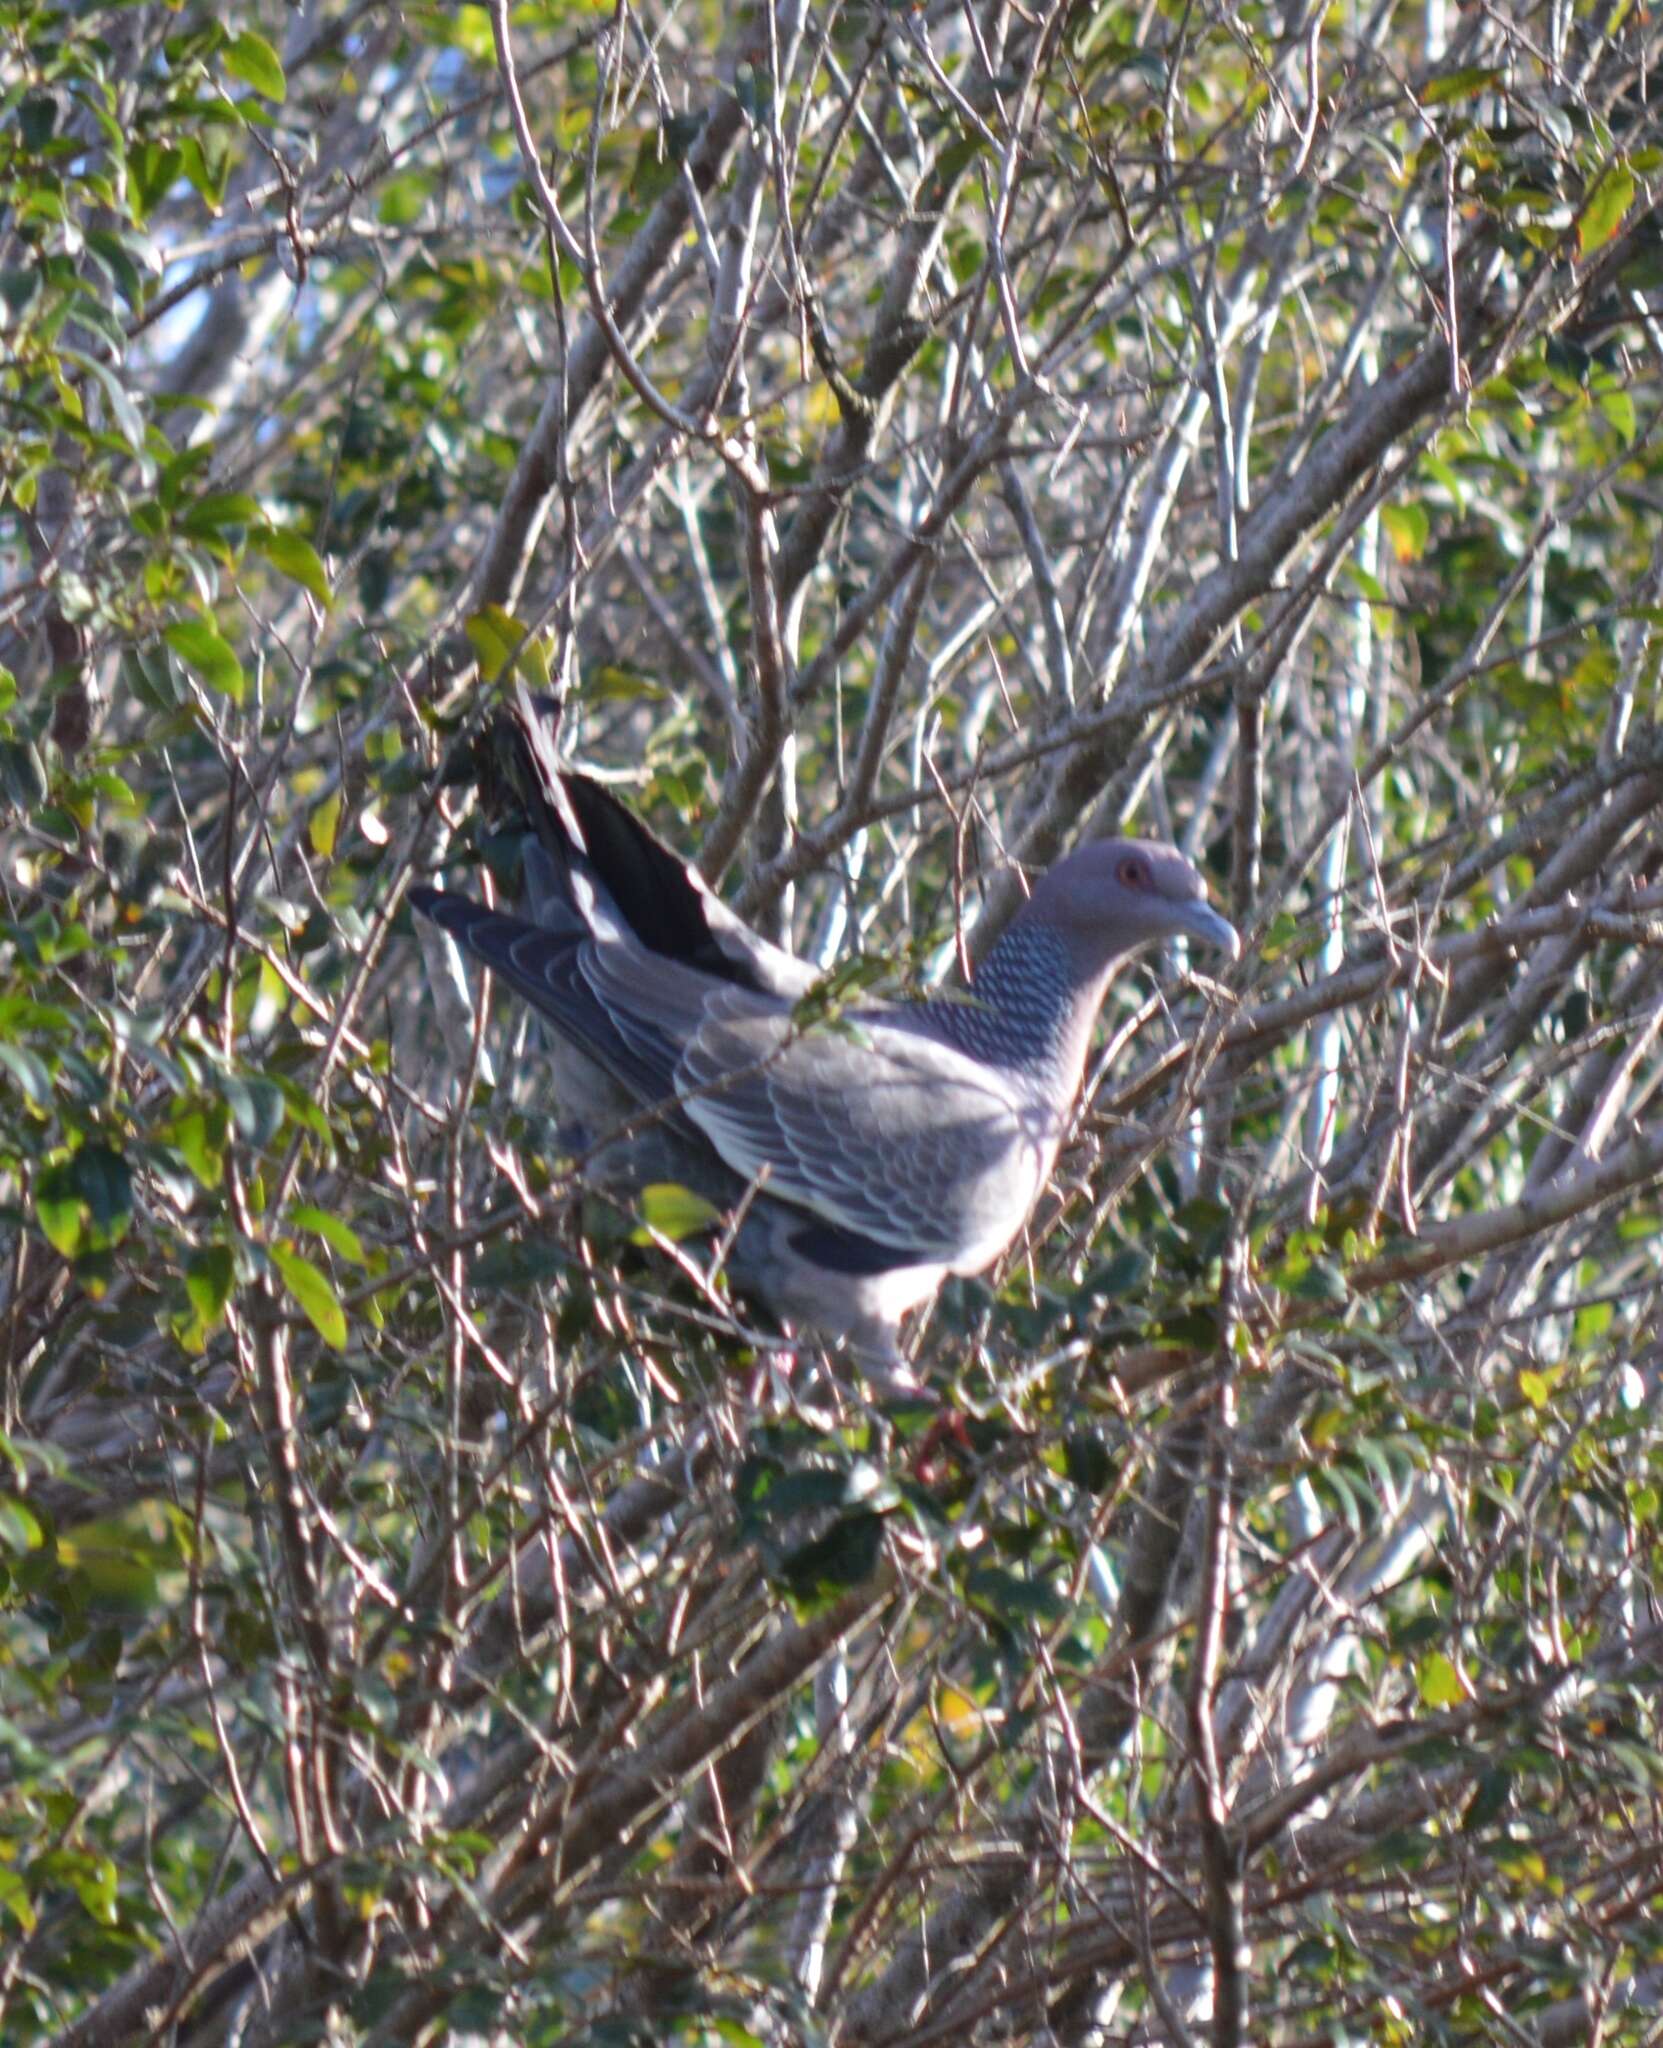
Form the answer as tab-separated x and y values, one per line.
880	1131
876	1130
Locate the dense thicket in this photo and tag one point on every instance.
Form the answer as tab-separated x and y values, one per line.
906	439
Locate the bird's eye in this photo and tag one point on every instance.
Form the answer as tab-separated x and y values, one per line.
1134	873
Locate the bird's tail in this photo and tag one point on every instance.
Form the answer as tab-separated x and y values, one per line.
593	853
546	967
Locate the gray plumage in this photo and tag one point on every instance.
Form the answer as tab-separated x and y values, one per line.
902	1143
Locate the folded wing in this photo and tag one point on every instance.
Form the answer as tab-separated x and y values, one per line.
877	1131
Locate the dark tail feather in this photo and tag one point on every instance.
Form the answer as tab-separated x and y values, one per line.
577	821
650	885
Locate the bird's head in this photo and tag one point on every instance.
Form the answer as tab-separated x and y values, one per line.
1112	895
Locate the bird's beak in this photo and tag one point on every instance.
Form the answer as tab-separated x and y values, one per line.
1200	920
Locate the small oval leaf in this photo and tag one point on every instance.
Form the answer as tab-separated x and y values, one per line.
1607	203
252	60
207	655
312	1293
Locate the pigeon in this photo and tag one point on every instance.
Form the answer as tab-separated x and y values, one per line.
869	1151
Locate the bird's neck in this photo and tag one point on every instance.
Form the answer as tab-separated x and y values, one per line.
1031	1006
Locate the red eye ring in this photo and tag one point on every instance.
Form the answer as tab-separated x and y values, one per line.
1133	873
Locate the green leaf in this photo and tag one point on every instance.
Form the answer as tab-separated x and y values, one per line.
94	1882
1321	1281
36	118
337	1234
1495	1788
199	1136
314	1296
19	291
22	774
209	1278
403	199
294	556
1593	1322
1459	85
208	168
214	660
151	170
1408	527
612	683
498	639
220	509
323	824
1618	409
104	1182
1440	1683
1442	473
957	158
675	1212
28	1070
14	1897
20	1532
1607	203
125	416
58	1209
152	674
256	1104
736	2035
250	58
1088	1462
1370	586
768	1496
1129	1273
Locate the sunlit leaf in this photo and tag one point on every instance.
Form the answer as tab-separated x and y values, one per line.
1465	84
294	555
676	1212
200	647
250	58
323	824
498	638
1440	1683
313	1294
59	1209
1407	526
15	1899
335	1231
20	1529
1606	204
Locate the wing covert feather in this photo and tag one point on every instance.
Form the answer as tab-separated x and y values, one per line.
882	1132
877	1130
